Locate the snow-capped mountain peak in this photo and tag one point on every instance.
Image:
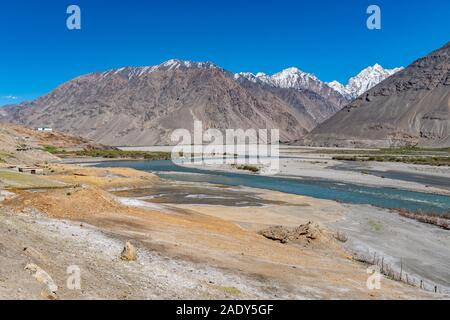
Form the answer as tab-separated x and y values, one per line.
170	65
364	81
294	78
174	64
339	87
287	78
290	78
259	77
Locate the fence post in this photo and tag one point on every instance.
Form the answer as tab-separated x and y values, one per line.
401	269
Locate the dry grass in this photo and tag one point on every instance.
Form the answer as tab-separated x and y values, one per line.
104	178
247	167
23	181
437	220
422	160
230	291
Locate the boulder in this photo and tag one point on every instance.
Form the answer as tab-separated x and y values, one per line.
50	287
129	253
303	235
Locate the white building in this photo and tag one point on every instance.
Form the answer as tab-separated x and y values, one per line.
45	129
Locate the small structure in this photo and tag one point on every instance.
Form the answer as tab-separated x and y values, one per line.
23	147
45	129
31	170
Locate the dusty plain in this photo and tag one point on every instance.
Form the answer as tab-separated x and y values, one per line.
75	216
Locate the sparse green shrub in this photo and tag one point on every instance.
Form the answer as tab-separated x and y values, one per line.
247	167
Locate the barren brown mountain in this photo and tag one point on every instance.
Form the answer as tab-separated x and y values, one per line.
142	106
410	108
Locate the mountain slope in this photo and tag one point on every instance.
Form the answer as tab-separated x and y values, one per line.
364	81
301	90
336	94
410	107
142	106
20	145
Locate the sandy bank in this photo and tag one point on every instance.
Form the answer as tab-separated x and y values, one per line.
242	263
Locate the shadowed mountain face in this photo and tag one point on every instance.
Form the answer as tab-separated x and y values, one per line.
411	107
364	81
142	106
301	90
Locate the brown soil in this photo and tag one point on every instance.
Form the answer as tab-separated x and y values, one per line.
183	234
106	179
305	235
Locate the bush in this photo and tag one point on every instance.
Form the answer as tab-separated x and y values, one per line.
437	220
110	153
247	167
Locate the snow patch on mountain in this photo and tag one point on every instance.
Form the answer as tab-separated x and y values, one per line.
339	87
364	81
294	78
170	65
288	78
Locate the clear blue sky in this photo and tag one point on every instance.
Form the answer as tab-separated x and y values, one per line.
326	37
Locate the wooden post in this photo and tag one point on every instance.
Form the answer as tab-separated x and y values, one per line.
401	269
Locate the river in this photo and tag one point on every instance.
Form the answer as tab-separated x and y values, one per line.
318	188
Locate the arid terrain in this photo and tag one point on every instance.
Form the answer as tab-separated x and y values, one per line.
208	150
183	253
25	146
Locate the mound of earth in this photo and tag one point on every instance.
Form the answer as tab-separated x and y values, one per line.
79	202
103	178
305	235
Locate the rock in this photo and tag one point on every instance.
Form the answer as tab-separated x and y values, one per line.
50	287
304	234
129	253
46	293
309	231
277	233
